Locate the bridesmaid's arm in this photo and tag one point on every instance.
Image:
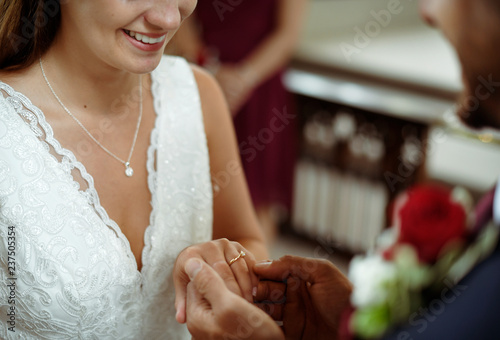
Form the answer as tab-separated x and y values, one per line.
234	215
276	50
239	80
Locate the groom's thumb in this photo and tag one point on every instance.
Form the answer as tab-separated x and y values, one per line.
206	281
192	268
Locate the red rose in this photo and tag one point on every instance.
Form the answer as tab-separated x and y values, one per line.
428	219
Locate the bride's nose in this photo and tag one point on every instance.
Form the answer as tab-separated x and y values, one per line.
164	15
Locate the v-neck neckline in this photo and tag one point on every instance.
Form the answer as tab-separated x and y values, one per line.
90	194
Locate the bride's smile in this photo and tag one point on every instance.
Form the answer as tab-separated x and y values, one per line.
146	41
122	34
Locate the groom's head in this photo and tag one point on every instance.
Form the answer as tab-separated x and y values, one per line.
473	28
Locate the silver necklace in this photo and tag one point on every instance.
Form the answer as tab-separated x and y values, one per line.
128	169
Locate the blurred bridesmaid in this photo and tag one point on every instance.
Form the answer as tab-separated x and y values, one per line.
247	44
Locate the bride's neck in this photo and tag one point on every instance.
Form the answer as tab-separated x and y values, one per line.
87	82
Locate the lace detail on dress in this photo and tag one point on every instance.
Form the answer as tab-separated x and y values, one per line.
43	130
76	275
183	190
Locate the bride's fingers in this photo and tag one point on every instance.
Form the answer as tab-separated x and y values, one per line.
227	275
236	274
254	279
247	279
238	278
242	273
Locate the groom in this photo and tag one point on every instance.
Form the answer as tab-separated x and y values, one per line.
317	291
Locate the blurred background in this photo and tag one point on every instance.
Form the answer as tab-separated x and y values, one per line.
372	90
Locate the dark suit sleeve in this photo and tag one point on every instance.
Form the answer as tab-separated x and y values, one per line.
470	310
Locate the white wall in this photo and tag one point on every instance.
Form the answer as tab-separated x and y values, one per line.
325	17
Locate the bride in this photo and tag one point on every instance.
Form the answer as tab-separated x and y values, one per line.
117	165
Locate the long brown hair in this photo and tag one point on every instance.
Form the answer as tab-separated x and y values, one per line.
27	29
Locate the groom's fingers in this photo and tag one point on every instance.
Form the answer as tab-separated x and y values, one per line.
196	306
205	288
294	315
206	281
270	291
181	279
307	269
274	310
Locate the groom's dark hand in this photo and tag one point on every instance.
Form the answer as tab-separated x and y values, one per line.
316	295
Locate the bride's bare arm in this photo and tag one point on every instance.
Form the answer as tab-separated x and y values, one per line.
235	227
234	215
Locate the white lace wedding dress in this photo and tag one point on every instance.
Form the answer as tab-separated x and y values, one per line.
75	275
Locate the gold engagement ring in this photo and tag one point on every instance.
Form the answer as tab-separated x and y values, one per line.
240	255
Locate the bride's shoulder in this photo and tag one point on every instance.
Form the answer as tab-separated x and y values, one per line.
178	72
213	102
206	81
211	95
21	81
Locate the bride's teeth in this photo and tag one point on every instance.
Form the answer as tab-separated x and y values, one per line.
145	39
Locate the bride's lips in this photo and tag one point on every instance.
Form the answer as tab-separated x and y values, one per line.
147	42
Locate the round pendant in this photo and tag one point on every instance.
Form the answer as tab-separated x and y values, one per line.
129	171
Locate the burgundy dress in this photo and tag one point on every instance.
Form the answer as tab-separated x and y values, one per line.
266	126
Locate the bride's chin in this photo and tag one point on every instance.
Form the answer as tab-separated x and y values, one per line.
144	66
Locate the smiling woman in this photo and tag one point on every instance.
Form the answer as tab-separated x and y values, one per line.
106	153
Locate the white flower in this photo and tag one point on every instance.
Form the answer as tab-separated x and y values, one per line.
463	197
387	238
369	276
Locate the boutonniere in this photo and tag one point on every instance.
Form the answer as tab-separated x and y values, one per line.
416	262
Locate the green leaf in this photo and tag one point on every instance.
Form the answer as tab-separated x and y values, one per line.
371	322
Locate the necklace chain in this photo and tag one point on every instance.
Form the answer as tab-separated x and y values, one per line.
128	169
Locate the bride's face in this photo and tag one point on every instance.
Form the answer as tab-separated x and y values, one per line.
123	34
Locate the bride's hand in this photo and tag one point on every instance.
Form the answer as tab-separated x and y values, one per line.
238	277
